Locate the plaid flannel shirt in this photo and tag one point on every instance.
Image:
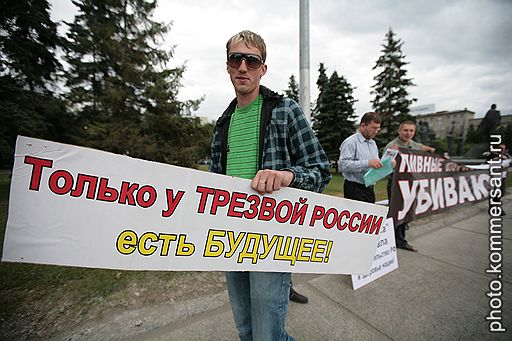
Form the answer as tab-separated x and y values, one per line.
287	142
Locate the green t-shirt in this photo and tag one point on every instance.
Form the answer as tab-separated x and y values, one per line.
243	140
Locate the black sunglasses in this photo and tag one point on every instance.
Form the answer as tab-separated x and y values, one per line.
251	60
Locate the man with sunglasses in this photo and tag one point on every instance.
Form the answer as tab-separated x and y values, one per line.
264	137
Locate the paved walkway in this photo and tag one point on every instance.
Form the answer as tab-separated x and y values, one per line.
438	293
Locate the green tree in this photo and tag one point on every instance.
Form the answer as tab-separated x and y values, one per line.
390	88
123	96
28	76
334	116
320	83
204	140
322	77
28	41
293	89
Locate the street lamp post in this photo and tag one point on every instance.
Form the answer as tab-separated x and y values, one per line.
304	96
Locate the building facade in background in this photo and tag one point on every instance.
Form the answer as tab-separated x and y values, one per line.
448	123
457	122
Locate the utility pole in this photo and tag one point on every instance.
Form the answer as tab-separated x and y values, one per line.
304	95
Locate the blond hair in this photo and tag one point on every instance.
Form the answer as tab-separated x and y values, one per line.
250	39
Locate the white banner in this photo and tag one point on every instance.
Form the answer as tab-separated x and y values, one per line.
82	207
385	259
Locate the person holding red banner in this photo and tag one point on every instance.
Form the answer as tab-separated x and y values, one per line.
406	132
264	137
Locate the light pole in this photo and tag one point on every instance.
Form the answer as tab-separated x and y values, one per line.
304	96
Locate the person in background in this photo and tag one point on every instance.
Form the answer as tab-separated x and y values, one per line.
406	132
358	153
264	137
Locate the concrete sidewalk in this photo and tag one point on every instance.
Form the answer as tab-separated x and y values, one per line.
438	293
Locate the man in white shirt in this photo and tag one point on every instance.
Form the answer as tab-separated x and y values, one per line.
358	153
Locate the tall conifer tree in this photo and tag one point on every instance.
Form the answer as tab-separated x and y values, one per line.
334	117
120	89
390	88
320	83
293	89
28	75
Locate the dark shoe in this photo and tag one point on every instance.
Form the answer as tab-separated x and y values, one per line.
297	298
407	247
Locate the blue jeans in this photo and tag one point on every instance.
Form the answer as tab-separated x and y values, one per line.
259	301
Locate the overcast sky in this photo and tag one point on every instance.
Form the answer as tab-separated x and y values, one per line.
460	51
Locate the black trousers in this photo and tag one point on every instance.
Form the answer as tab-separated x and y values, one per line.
357	191
400	240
